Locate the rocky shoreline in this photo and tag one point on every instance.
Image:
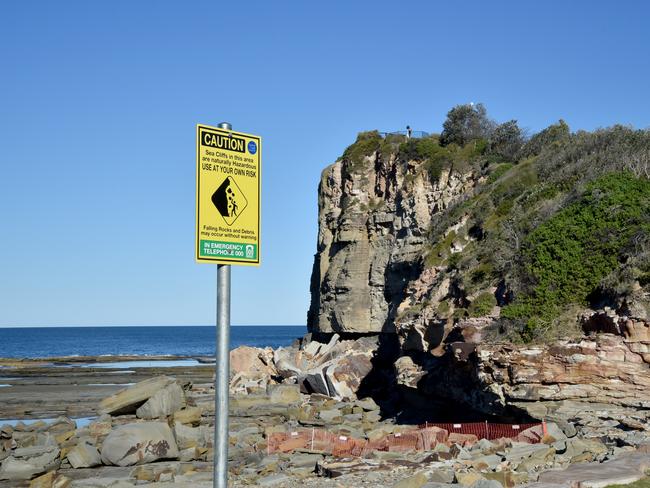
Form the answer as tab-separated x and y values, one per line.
154	426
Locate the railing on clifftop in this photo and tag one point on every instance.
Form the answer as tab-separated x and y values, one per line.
416	134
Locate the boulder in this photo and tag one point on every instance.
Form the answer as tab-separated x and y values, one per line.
138	444
344	377
100	427
62	481
51	480
84	456
129	399
580	450
188	437
407	372
43	481
189	415
468	479
164	402
285	394
26	463
418	480
251	361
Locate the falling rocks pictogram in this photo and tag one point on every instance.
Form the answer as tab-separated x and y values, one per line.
229	200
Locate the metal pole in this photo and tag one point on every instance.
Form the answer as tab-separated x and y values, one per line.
222	381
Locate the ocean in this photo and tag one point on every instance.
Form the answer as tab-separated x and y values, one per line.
43	342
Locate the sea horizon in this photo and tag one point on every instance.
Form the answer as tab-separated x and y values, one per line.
178	340
143	325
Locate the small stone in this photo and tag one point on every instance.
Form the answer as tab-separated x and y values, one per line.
6	431
188	416
62	481
331	415
483	483
285	394
44	481
100	428
468	479
368	404
188	437
442	475
416	481
84	456
61	438
272	479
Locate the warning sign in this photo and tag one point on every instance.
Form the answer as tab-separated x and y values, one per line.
228	183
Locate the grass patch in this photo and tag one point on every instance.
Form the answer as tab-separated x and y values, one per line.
482	305
642	483
367	143
498	172
437	254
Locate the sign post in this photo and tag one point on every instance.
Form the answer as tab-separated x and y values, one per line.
228	187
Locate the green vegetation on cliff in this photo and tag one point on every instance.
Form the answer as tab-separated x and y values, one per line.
557	222
565	259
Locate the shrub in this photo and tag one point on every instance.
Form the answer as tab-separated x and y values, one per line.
443	309
566	257
482	305
366	144
482	272
507	140
466	123
553	136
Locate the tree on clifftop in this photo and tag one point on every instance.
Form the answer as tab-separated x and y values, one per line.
466	123
507	140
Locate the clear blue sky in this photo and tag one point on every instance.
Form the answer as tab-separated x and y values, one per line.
99	101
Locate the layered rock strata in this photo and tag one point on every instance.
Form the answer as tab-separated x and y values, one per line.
373	221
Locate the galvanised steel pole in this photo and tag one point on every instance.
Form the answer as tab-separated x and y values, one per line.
222	381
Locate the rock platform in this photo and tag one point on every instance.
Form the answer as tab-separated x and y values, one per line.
159	432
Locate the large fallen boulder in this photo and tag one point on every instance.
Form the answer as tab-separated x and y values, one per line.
164	402
128	400
251	368
251	361
138	444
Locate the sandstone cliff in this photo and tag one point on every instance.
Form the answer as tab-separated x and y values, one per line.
374	219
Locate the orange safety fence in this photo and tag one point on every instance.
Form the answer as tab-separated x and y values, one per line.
424	438
490	431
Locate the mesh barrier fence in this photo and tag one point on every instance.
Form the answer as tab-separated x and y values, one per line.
424	438
486	430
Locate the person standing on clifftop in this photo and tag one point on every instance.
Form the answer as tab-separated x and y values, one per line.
409	131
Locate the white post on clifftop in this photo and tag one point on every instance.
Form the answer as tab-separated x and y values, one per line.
220	478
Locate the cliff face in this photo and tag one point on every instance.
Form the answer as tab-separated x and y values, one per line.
451	263
374	217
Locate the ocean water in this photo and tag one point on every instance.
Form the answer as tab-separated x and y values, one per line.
43	342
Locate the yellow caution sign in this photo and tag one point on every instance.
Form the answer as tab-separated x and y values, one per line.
228	184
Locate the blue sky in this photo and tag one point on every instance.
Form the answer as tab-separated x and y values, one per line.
99	101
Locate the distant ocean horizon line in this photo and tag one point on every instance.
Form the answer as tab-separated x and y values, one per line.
179	340
141	325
